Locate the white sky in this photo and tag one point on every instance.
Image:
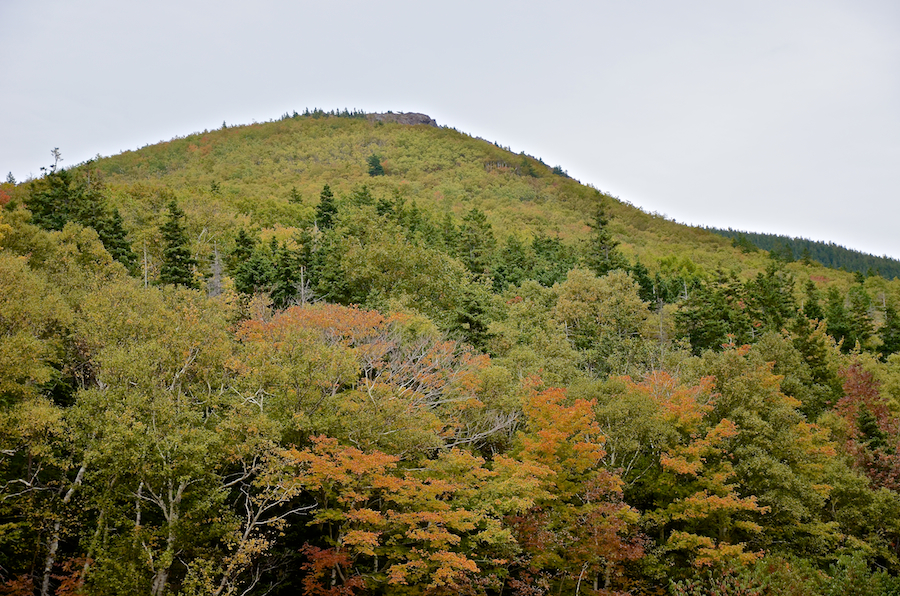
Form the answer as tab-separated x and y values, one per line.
771	116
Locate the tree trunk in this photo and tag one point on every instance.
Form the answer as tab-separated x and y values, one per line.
54	537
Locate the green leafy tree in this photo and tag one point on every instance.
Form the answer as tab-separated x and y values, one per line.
177	264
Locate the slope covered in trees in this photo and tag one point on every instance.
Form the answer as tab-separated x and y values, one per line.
827	253
270	363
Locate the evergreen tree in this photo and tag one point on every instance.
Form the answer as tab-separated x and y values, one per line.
61	197
890	332
477	242
837	318
770	299
861	325
449	233
362	195
375	167
177	262
552	260
326	209
646	287
111	230
812	309
242	251
513	267
254	274
51	199
385	207
602	253
286	278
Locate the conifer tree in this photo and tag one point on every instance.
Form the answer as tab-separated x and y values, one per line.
326	209
812	310
837	318
286	278
553	260
603	255
375	167
861	325
890	331
477	242
243	249
514	264
177	262
111	230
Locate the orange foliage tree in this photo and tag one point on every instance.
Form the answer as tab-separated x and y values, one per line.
579	532
437	528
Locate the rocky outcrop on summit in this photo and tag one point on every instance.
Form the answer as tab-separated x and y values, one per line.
403	118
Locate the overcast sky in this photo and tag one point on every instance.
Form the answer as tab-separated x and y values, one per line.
772	116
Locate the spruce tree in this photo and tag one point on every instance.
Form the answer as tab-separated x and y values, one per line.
177	262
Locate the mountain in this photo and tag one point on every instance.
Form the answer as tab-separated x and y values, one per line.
344	353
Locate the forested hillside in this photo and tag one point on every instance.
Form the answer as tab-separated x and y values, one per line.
826	253
337	354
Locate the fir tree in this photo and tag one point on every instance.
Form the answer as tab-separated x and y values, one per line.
242	251
812	309
837	318
476	242
286	278
602	253
646	288
514	265
890	331
552	260
111	230
177	262
326	209
861	325
375	167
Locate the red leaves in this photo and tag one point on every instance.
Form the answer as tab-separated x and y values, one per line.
328	573
872	429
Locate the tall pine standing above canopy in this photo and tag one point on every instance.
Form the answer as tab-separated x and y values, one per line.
177	262
602	255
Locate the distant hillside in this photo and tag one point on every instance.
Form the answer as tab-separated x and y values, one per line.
827	253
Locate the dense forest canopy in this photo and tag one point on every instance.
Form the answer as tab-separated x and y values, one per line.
337	354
